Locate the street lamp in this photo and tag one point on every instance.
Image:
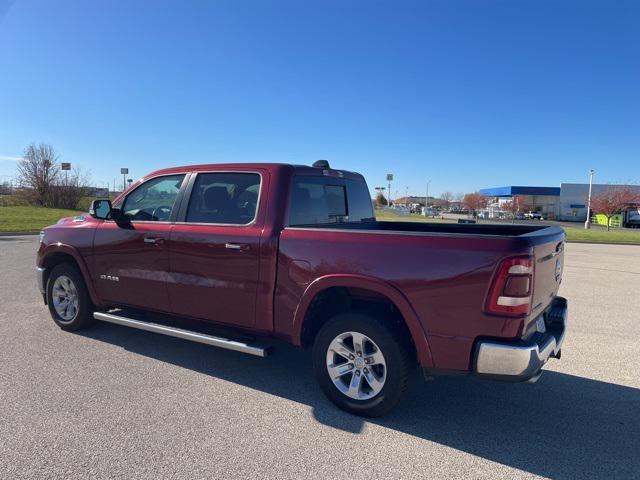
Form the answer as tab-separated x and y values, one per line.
587	222
426	199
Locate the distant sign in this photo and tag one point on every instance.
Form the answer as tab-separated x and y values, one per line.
124	171
129	180
389	177
66	166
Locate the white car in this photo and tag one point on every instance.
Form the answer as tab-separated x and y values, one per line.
533	216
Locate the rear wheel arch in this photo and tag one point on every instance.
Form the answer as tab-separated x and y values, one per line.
335	294
362	364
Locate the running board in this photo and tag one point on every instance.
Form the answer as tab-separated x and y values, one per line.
184	334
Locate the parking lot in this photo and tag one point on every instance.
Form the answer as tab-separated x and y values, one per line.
118	403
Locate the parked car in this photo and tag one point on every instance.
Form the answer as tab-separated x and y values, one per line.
262	251
631	218
533	216
400	209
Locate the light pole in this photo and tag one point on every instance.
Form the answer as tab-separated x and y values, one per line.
587	222
426	199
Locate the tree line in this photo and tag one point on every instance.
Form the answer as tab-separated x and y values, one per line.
613	201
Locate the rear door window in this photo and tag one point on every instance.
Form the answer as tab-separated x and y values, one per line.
226	198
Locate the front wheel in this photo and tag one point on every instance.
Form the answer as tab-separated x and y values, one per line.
68	299
363	363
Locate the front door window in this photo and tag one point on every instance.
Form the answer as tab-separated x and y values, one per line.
154	200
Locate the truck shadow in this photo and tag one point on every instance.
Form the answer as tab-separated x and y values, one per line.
562	427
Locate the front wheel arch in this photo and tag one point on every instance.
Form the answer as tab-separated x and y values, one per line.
76	288
56	254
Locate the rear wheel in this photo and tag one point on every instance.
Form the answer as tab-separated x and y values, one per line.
68	299
363	363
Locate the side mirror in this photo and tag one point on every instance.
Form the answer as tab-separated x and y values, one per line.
100	209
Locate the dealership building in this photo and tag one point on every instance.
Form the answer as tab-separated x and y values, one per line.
567	202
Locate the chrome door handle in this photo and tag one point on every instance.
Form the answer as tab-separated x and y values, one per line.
236	246
154	241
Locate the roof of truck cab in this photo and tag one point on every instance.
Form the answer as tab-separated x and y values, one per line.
272	167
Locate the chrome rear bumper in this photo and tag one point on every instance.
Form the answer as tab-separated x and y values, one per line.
523	360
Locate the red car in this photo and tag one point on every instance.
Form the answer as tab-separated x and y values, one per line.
294	252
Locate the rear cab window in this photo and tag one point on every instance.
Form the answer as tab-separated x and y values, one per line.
321	200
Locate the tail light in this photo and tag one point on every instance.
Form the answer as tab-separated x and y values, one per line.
512	288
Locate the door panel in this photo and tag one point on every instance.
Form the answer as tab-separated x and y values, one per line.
214	272
132	264
131	260
214	253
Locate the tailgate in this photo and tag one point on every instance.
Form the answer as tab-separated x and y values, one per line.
549	262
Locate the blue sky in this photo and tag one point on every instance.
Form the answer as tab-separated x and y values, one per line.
468	94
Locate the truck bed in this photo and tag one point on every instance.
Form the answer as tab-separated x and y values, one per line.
443	269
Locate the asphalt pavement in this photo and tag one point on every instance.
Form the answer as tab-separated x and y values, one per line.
113	402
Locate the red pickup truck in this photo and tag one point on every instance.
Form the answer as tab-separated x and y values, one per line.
294	253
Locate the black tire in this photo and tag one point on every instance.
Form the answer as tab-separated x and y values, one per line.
394	343
83	317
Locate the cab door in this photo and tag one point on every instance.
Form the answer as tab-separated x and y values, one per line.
131	261
215	248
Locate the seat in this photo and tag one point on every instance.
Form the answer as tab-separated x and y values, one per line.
213	208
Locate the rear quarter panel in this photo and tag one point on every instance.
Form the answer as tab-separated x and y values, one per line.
443	277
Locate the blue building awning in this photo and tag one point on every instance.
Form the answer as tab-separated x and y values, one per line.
510	191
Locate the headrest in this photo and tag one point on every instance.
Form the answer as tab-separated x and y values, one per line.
216	198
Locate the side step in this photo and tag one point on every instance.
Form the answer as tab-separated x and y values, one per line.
184	334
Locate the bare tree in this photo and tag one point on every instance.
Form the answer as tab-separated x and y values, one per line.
70	191
613	201
38	173
447	198
42	182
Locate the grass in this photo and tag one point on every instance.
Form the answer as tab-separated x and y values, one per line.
600	235
596	234
30	219
414	217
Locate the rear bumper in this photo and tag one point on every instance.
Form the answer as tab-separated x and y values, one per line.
523	360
